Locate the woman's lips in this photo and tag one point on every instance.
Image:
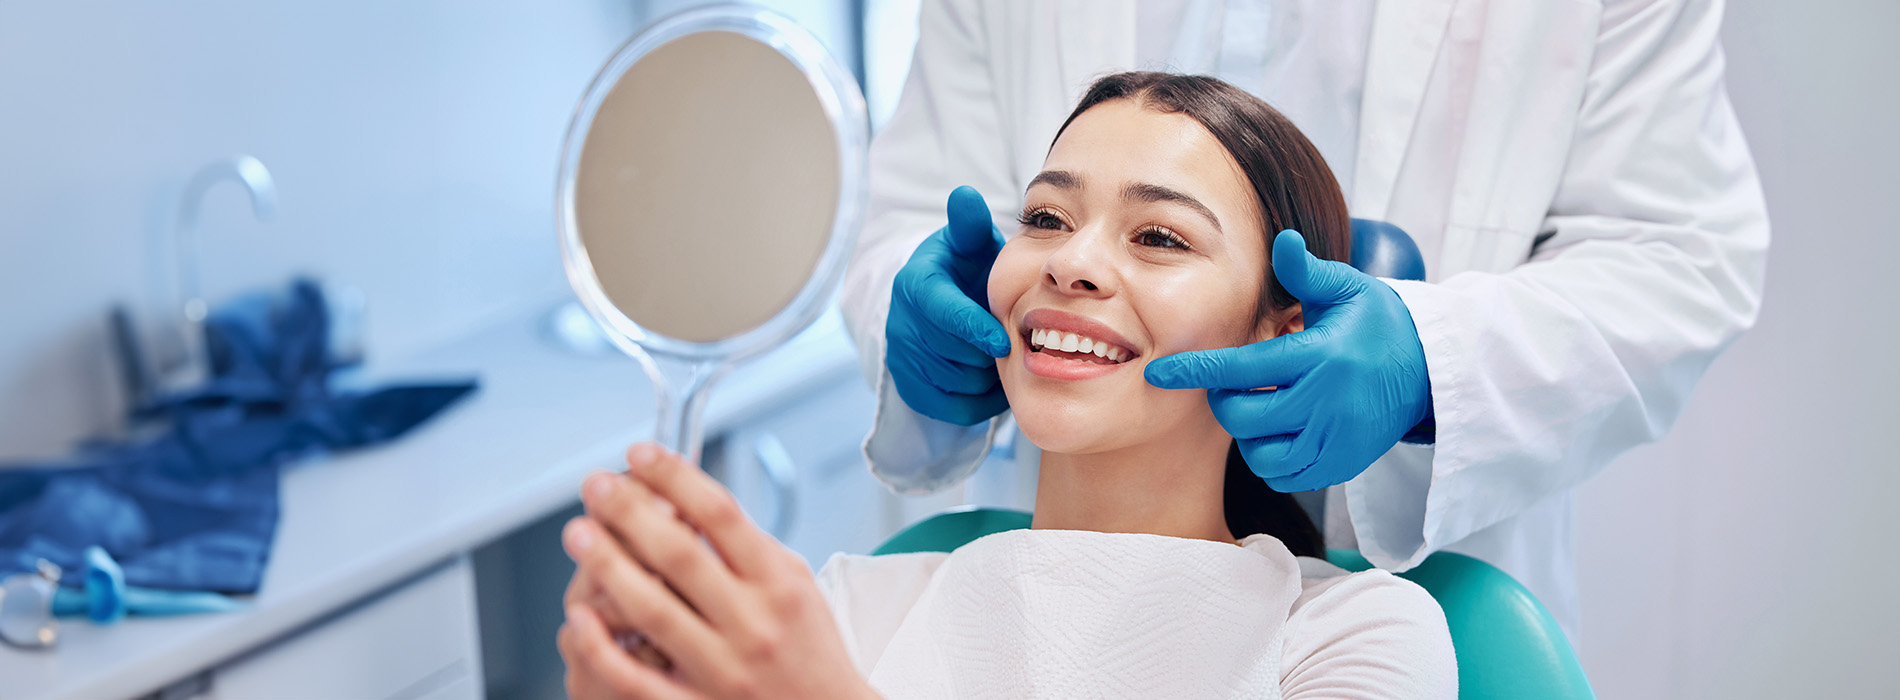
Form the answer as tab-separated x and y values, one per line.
1046	364
1062	326
1057	354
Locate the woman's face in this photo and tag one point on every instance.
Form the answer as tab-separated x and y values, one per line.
1142	234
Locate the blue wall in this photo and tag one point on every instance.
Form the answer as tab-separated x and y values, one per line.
413	145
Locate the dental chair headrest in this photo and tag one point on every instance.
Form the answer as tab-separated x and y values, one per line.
1384	250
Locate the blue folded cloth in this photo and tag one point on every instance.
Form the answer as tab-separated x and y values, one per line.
195	508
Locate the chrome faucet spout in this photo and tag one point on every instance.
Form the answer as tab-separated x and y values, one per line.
188	251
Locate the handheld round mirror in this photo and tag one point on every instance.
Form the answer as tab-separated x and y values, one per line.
709	192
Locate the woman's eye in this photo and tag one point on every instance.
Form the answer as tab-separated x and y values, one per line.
1157	238
1041	220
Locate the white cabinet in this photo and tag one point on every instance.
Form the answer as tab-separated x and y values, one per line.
416	642
798	470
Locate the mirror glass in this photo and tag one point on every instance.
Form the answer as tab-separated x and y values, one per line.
705	205
710	190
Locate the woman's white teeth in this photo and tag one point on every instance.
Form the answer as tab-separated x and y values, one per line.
1070	342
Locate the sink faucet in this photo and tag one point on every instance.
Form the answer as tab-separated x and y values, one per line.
188	252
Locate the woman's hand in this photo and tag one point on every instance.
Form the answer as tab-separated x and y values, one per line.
741	618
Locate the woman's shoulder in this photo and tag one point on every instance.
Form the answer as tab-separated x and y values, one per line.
1325	587
858	575
1366	623
869	596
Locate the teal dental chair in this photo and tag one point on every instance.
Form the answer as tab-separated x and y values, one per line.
1508	646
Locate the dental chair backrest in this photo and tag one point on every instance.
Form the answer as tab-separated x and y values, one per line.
1508	646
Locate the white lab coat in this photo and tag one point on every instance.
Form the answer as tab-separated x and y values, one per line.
1573	173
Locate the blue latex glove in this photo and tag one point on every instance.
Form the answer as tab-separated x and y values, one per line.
940	341
1350	385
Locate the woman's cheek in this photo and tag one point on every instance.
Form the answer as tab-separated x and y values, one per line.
1007	280
1187	314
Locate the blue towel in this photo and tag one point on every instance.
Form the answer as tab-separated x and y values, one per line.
195	508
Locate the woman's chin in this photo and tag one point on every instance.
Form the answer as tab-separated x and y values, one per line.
1065	444
1066	432
1073	417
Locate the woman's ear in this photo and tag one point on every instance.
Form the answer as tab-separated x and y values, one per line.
1279	322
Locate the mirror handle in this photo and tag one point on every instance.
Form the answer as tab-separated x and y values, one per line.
680	385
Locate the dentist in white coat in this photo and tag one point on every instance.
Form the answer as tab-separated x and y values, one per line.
1589	214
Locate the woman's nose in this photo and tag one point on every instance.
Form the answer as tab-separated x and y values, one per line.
1080	267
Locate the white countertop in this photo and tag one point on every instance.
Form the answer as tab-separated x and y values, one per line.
516	450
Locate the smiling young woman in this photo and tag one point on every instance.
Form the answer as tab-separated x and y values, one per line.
1148	229
1146	234
1157	564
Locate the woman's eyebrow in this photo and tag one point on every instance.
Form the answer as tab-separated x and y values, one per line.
1148	192
1062	179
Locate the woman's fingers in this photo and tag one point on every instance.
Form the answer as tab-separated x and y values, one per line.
597	668
642	601
583	591
647	526
708	506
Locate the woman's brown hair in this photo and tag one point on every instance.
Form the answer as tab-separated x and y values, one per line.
1296	191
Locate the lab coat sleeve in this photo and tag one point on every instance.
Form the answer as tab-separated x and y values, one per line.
947	131
1649	263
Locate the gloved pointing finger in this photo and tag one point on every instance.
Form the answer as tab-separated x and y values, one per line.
1271	362
938	299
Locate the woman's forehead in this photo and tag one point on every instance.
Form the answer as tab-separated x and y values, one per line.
1120	145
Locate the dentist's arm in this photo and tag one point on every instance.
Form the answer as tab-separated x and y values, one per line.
1650	263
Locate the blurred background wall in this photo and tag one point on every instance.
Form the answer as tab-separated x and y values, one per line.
1745	556
414	147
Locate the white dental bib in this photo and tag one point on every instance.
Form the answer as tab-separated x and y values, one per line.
1070	614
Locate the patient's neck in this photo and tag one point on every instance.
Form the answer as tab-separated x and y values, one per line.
1171	488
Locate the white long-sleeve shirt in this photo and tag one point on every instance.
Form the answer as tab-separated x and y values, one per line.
1068	614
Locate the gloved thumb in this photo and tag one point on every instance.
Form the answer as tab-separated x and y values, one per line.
972	233
1310	279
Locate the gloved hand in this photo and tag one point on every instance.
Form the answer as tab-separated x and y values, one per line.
1349	386
940	339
